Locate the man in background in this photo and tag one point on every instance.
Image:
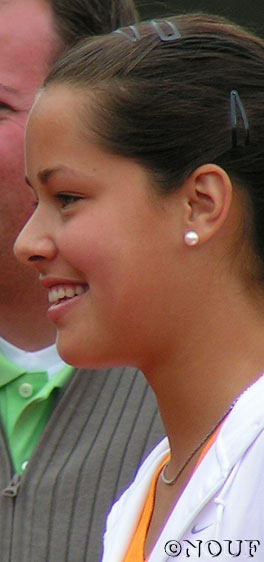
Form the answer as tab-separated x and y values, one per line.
70	440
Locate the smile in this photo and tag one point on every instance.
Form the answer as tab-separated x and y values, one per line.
59	292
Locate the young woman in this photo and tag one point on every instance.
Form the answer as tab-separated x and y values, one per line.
145	151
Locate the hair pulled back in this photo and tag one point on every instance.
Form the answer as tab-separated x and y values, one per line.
166	104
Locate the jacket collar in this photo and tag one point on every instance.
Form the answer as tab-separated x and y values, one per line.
241	428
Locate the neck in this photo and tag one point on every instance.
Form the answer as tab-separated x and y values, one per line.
207	371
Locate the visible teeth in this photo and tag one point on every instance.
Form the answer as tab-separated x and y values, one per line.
61	293
53	295
58	293
79	290
69	292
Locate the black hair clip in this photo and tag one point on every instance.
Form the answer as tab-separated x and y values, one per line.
236	103
132	38
173	34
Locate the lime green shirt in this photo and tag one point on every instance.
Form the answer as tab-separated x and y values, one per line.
26	402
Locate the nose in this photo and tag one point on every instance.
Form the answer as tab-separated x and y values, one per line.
34	245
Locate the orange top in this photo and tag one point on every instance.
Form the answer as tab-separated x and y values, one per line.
135	552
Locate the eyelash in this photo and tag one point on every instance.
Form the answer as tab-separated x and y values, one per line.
5	106
66	199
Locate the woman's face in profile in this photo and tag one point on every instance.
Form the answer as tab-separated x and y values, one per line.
101	239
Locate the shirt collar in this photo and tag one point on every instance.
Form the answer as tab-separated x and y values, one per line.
46	359
8	371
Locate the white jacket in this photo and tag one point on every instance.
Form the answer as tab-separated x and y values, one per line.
221	511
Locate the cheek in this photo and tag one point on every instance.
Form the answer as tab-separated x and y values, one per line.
108	263
86	249
11	155
11	146
120	262
16	199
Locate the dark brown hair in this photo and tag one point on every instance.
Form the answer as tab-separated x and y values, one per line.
166	104
77	19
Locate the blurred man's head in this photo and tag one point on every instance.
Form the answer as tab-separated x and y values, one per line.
75	19
33	33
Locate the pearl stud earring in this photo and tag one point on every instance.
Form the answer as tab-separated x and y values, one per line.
191	238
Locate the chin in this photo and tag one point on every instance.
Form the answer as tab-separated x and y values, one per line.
75	358
82	357
68	351
88	357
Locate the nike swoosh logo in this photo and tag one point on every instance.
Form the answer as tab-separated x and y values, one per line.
196	530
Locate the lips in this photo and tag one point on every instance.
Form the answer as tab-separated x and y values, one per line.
60	292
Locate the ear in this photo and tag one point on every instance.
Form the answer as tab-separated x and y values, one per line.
207	200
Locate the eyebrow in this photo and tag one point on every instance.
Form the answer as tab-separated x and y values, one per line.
45	175
8	89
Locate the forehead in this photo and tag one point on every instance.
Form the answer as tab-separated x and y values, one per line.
27	39
56	107
54	125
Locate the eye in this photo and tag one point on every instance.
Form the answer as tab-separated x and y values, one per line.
67	199
4	105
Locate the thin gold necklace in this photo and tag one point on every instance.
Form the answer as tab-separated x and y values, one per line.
200	444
